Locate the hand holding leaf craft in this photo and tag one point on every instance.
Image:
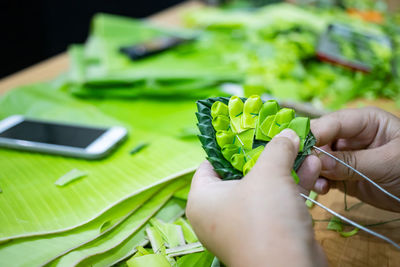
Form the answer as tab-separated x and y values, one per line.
229	216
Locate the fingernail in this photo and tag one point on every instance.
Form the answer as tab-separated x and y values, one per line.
288	133
327	163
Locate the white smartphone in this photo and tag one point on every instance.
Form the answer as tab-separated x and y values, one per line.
80	141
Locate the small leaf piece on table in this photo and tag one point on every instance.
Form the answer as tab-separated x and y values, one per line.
70	176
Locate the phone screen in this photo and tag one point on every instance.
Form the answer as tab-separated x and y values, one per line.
52	133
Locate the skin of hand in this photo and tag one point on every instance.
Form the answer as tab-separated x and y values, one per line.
259	220
367	139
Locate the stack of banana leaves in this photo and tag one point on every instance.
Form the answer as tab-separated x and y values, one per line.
101	213
99	69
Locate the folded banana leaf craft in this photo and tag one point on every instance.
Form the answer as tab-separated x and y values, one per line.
234	132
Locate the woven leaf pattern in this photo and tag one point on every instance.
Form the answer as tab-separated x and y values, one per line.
208	140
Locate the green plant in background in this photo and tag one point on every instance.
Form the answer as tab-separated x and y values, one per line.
275	48
234	132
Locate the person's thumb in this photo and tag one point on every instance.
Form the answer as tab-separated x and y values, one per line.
376	163
278	156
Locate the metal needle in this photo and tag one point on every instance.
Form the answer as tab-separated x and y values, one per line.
351	222
359	173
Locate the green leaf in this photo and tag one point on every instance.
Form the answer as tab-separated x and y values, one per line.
188	232
171	233
335	224
70	176
226	162
138	148
350	233
156	240
152	260
185	249
121	233
170	212
118	177
313	195
201	259
41	249
183	193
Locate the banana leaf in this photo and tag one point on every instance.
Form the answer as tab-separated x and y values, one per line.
112	180
33	251
99	70
172	210
122	232
38	250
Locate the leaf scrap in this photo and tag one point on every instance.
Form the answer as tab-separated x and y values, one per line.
70	176
139	148
313	195
335	224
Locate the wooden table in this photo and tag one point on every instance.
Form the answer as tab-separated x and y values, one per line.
361	250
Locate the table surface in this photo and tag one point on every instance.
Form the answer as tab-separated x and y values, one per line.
360	250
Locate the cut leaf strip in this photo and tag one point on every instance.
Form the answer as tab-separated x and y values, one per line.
70	176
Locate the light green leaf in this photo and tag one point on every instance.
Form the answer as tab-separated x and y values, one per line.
183	193
126	229
313	195
152	260
38	250
185	249
70	176
170	212
335	224
171	233
156	240
188	232
201	259
112	180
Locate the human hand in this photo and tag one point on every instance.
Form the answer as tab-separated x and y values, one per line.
367	139
260	220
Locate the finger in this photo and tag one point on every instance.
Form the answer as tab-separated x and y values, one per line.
376	163
309	172
322	186
205	174
348	123
279	155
